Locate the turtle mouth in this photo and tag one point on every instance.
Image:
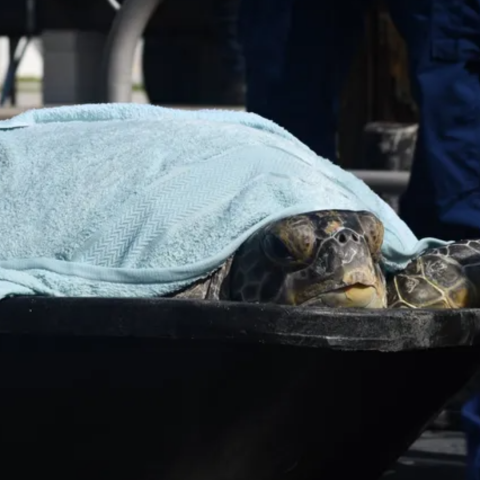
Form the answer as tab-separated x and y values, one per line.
357	295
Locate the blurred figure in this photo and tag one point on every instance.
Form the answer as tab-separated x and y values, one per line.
192	57
298	53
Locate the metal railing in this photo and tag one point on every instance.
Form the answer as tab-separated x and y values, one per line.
127	29
384	181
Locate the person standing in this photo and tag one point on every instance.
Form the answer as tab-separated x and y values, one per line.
298	54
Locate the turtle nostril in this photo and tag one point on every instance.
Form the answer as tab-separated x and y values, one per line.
342	238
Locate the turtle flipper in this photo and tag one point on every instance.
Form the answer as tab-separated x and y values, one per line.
446	277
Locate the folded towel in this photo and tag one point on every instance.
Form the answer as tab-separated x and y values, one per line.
136	200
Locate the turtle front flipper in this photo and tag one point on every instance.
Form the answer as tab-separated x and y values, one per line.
446	277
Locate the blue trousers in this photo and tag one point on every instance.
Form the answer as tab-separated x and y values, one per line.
298	53
471	422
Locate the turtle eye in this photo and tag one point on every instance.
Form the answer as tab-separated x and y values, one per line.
276	249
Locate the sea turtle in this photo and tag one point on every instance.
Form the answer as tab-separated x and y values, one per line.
333	258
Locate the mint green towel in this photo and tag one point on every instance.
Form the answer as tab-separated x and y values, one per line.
136	200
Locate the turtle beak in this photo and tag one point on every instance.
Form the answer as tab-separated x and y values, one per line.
344	275
353	296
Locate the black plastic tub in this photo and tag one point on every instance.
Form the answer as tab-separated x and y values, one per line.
182	390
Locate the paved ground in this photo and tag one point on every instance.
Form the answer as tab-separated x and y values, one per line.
33	98
435	456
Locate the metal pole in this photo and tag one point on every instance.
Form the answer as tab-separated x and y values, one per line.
384	181
13	43
127	29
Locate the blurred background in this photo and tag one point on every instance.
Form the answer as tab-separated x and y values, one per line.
189	57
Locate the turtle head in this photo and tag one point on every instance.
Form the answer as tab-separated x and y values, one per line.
326	258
